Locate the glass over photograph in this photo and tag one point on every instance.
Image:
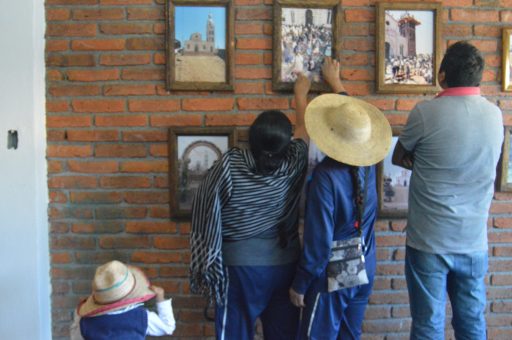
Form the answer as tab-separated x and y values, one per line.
306	38
200	44
395	184
409	47
196	154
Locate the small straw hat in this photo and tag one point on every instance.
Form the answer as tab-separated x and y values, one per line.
348	129
115	286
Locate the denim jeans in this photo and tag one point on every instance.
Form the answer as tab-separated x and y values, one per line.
429	277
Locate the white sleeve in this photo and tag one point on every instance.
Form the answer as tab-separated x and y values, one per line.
162	323
74	329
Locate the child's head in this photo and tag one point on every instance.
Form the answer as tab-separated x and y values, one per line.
115	286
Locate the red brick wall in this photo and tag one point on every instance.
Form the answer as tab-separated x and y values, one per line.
107	118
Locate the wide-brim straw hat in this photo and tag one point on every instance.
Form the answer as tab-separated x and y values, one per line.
348	129
115	286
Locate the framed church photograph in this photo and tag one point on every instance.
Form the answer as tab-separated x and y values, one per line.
192	151
305	32
505	170
506	74
408	39
199	45
392	185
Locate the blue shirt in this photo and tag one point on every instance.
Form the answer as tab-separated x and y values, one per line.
330	215
456	141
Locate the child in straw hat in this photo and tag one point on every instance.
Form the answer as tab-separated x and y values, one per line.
115	309
341	204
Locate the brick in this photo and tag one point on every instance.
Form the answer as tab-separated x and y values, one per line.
146	166
354	59
263	103
143	74
159	28
121	120
95	197
390	240
54	166
500	208
351	29
126	2
501	237
54	75
503	223
138	13
98	14
356	89
120	212
253	73
78	182
249	88
383	104
67	121
137	105
159	150
457	30
148	44
58	197
159	58
359	15
501	307
72	242
248	58
124	182
155	257
98	45
390	269
130	242
93	166
125	59
97	226
145	136
90	105
176	120
98	258
485	45
487	31
69	151
502	251
147	197
92	135
207	104
229	119
159	212
74	90
501	280
125	28
254	44
356	74
57	106
129	90
253	14
70	30
473	15
150	227
92	75
119	150
243	28
71	2
57	14
406	104
171	242
361	45
57	45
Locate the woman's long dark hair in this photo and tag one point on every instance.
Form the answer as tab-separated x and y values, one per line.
269	137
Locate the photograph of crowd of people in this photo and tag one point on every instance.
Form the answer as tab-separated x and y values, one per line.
395	184
409	47
306	38
200	44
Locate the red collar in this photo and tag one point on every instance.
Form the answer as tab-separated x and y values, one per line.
459	91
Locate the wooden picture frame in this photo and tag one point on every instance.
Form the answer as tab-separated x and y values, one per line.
324	20
505	169
408	47
392	185
192	151
506	69
195	62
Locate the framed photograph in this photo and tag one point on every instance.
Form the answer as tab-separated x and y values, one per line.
408	47
200	44
505	183
192	151
392	185
305	32
506	78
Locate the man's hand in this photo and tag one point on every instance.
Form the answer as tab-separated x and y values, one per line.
331	74
296	298
302	86
159	291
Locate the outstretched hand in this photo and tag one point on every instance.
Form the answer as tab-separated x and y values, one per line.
301	86
331	74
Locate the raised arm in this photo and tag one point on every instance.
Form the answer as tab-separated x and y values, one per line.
331	74
301	89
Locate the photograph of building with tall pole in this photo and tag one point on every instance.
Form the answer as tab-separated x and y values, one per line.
409	47
200	46
395	184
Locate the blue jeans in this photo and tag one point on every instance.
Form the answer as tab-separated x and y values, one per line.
429	277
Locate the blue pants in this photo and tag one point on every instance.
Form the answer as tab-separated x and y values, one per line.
429	277
336	315
258	291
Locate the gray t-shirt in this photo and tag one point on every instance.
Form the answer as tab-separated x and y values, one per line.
456	142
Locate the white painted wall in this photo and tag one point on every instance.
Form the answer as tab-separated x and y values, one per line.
24	254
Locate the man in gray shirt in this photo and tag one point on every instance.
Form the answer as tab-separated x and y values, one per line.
452	144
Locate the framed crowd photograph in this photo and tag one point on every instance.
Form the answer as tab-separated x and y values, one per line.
305	32
506	78
505	173
199	44
408	46
192	151
392	185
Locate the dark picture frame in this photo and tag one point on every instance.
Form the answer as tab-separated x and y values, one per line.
322	22
505	170
392	185
406	62
192	151
199	59
506	69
